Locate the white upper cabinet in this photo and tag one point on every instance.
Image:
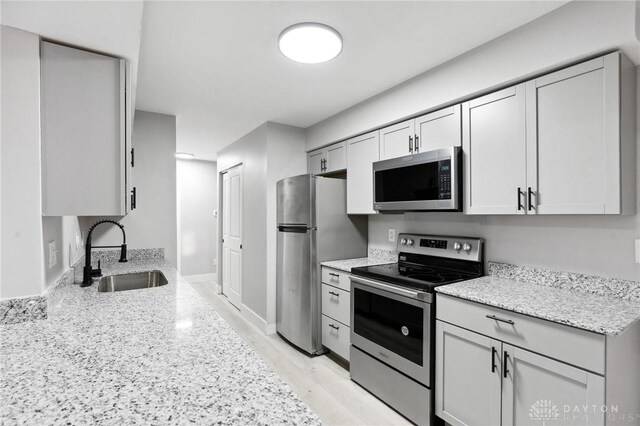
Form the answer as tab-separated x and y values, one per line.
439	129
494	149
328	160
362	152
574	139
85	125
562	143
397	140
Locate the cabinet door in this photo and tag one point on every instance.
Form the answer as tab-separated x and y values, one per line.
536	389
439	129
468	376
573	125
494	149
315	162
336	157
397	140
84	128
362	152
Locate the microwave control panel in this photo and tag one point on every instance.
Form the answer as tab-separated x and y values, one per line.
444	186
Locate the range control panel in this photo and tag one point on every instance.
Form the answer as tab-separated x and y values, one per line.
443	246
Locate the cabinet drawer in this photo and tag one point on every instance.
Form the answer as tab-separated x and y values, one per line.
568	344
336	336
336	278
336	304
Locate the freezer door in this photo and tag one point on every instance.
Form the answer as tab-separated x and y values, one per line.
295	291
295	201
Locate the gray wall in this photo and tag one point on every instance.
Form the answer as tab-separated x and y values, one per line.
251	152
269	153
153	224
197	226
62	230
21	234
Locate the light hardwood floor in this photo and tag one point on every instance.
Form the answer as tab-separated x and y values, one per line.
321	382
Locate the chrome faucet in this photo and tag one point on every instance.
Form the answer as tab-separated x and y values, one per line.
88	271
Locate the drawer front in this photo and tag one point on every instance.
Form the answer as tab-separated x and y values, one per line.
568	344
336	336
336	303
336	278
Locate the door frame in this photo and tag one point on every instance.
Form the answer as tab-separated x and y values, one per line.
219	251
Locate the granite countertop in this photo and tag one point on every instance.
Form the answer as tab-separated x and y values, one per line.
153	356
346	264
593	312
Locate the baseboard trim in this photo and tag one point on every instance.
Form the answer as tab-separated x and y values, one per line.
257	320
200	278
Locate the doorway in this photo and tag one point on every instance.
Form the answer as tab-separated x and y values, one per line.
232	235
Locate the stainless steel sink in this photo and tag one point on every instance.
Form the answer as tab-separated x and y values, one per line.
133	281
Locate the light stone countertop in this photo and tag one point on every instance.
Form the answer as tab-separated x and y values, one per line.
346	264
154	356
593	312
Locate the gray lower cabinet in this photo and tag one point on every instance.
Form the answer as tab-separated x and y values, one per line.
336	311
86	130
497	367
482	381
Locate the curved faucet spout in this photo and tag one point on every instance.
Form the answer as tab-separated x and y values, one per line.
88	271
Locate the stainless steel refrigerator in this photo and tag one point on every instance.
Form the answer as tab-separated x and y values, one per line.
313	227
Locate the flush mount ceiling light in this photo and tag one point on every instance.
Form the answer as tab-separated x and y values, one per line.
184	155
310	43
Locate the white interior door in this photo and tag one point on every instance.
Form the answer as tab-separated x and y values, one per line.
232	235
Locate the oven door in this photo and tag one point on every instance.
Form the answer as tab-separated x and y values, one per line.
421	182
392	326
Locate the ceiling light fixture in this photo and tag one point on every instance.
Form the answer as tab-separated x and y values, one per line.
184	155
310	43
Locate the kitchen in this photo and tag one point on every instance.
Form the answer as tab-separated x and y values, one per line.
506	283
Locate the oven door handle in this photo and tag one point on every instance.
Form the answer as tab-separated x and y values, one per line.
420	295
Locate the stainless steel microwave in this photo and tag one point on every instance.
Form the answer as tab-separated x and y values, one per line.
428	181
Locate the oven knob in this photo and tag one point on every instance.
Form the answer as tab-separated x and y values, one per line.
409	242
457	246
403	241
405	330
466	247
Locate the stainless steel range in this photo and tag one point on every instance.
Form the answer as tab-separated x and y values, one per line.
393	318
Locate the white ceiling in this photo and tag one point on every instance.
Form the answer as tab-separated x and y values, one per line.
216	66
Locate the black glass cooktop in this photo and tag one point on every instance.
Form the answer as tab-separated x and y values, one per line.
423	276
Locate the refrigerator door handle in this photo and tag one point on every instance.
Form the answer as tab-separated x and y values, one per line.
296	229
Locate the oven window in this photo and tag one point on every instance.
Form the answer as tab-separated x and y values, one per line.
382	321
419	182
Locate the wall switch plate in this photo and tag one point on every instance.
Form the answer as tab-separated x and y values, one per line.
637	250
53	254
392	235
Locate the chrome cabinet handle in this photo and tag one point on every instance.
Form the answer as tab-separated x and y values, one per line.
333	293
495	318
416	146
335	327
410	144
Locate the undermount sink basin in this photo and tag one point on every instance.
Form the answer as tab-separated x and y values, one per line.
133	281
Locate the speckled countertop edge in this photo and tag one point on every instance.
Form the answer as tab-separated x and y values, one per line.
375	257
591	311
152	356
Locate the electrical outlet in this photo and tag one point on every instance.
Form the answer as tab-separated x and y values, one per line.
392	235
78	240
637	250
53	254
